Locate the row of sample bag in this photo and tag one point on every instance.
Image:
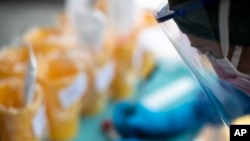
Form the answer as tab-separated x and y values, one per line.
68	71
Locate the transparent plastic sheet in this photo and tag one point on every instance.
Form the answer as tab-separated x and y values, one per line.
122	15
90	29
75	7
229	101
88	22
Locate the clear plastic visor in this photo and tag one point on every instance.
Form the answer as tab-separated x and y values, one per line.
200	32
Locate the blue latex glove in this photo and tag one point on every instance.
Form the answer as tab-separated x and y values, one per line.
136	121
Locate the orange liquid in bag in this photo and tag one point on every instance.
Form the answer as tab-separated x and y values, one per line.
125	77
45	40
102	72
13	61
19	122
64	84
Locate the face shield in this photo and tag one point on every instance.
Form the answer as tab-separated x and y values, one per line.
212	37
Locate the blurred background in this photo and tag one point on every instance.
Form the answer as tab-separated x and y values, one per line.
96	70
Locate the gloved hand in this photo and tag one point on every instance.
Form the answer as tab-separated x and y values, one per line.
136	121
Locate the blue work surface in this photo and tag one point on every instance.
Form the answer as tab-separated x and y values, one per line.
90	127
